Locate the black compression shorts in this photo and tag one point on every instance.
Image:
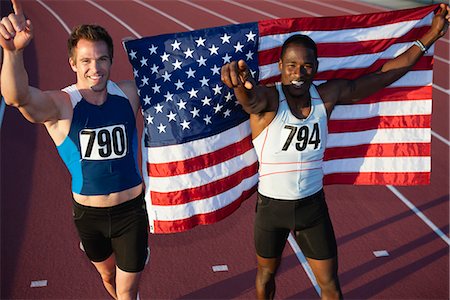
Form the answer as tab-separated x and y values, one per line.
307	217
122	229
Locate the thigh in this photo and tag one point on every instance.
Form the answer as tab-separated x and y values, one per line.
316	238
271	227
91	230
130	240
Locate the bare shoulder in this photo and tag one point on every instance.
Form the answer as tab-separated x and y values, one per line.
330	90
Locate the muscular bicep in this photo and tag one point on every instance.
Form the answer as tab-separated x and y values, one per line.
41	107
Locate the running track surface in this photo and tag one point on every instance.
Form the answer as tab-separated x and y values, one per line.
39	242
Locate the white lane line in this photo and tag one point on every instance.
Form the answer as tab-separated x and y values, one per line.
442	59
440	137
295	8
427	221
55	15
298	252
164	14
323	3
115	18
251	9
209	11
447	91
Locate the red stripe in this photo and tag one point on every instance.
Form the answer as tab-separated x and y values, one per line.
415	121
399	94
399	178
205	191
201	219
280	26
200	162
270	56
424	63
378	150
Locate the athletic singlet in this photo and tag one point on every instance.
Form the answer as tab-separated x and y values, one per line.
100	150
290	151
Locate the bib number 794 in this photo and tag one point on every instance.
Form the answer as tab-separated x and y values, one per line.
303	137
103	143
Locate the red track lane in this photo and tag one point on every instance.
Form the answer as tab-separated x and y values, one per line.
39	242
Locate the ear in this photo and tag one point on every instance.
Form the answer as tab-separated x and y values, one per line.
280	64
73	64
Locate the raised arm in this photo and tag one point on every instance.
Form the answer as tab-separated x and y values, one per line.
15	34
349	91
253	98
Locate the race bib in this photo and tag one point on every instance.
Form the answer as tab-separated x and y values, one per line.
300	138
103	143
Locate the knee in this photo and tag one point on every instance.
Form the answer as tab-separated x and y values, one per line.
330	288
265	274
108	277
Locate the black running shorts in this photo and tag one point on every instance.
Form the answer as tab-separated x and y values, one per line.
307	217
122	229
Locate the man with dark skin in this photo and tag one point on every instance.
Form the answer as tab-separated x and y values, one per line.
298	106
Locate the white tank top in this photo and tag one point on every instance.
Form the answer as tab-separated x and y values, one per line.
290	151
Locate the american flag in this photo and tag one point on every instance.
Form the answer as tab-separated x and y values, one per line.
198	160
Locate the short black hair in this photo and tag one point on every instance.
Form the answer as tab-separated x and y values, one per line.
299	39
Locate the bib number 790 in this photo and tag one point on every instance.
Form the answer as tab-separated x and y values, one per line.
103	143
303	137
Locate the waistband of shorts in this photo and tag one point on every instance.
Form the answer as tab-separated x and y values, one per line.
119	208
301	200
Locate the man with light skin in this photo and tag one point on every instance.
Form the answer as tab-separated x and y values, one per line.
93	126
289	131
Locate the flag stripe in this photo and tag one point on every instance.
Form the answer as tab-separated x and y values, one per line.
166	226
340	126
339	23
382	178
379	136
378	164
204	191
200	162
379	150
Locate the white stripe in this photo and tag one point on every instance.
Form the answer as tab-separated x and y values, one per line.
115	18
164	14
203	176
380	32
195	148
210	11
387	108
298	252
295	8
361	61
251	9
55	15
378	164
427	221
207	205
410	79
379	136
440	137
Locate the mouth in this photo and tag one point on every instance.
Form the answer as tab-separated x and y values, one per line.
297	83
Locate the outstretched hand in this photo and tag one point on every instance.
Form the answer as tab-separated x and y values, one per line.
441	20
237	74
16	32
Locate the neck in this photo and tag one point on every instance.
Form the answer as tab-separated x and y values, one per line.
94	97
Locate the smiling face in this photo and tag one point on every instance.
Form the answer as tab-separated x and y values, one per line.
92	64
298	66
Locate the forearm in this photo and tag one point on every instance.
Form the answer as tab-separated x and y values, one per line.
14	79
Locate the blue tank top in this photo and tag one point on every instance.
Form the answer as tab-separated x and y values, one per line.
100	150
